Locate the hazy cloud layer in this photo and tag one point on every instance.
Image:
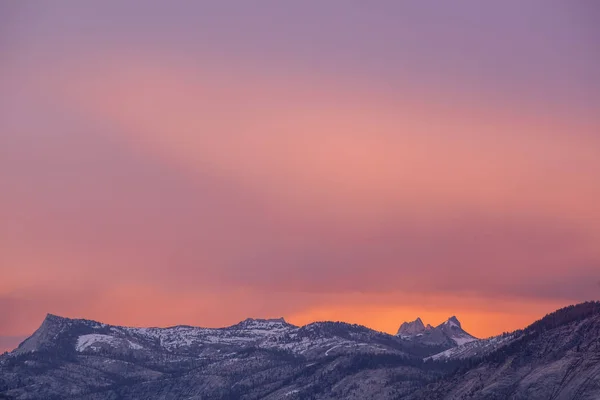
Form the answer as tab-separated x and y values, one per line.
203	163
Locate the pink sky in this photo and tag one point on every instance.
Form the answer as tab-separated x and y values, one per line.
299	162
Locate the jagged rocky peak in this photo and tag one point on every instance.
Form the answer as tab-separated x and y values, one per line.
453	330
54	321
53	332
52	318
44	335
412	328
57	320
448	333
452	321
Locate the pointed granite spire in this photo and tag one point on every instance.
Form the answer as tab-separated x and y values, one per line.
411	328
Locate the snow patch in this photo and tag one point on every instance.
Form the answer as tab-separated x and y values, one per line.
463	340
86	341
334	347
135	346
94	341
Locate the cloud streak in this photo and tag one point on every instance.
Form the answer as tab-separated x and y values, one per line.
142	183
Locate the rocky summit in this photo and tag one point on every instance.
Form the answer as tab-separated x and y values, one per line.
448	333
557	357
412	328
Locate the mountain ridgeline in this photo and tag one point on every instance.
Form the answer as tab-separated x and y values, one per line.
557	357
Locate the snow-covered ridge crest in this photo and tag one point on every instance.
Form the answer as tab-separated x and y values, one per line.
555	357
319	339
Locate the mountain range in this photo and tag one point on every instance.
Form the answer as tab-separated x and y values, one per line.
557	357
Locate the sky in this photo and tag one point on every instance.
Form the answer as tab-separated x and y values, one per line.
176	162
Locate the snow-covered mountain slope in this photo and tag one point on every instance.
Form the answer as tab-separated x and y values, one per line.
448	333
320	339
557	358
66	358
474	348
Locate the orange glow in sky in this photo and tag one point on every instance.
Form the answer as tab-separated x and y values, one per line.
159	169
